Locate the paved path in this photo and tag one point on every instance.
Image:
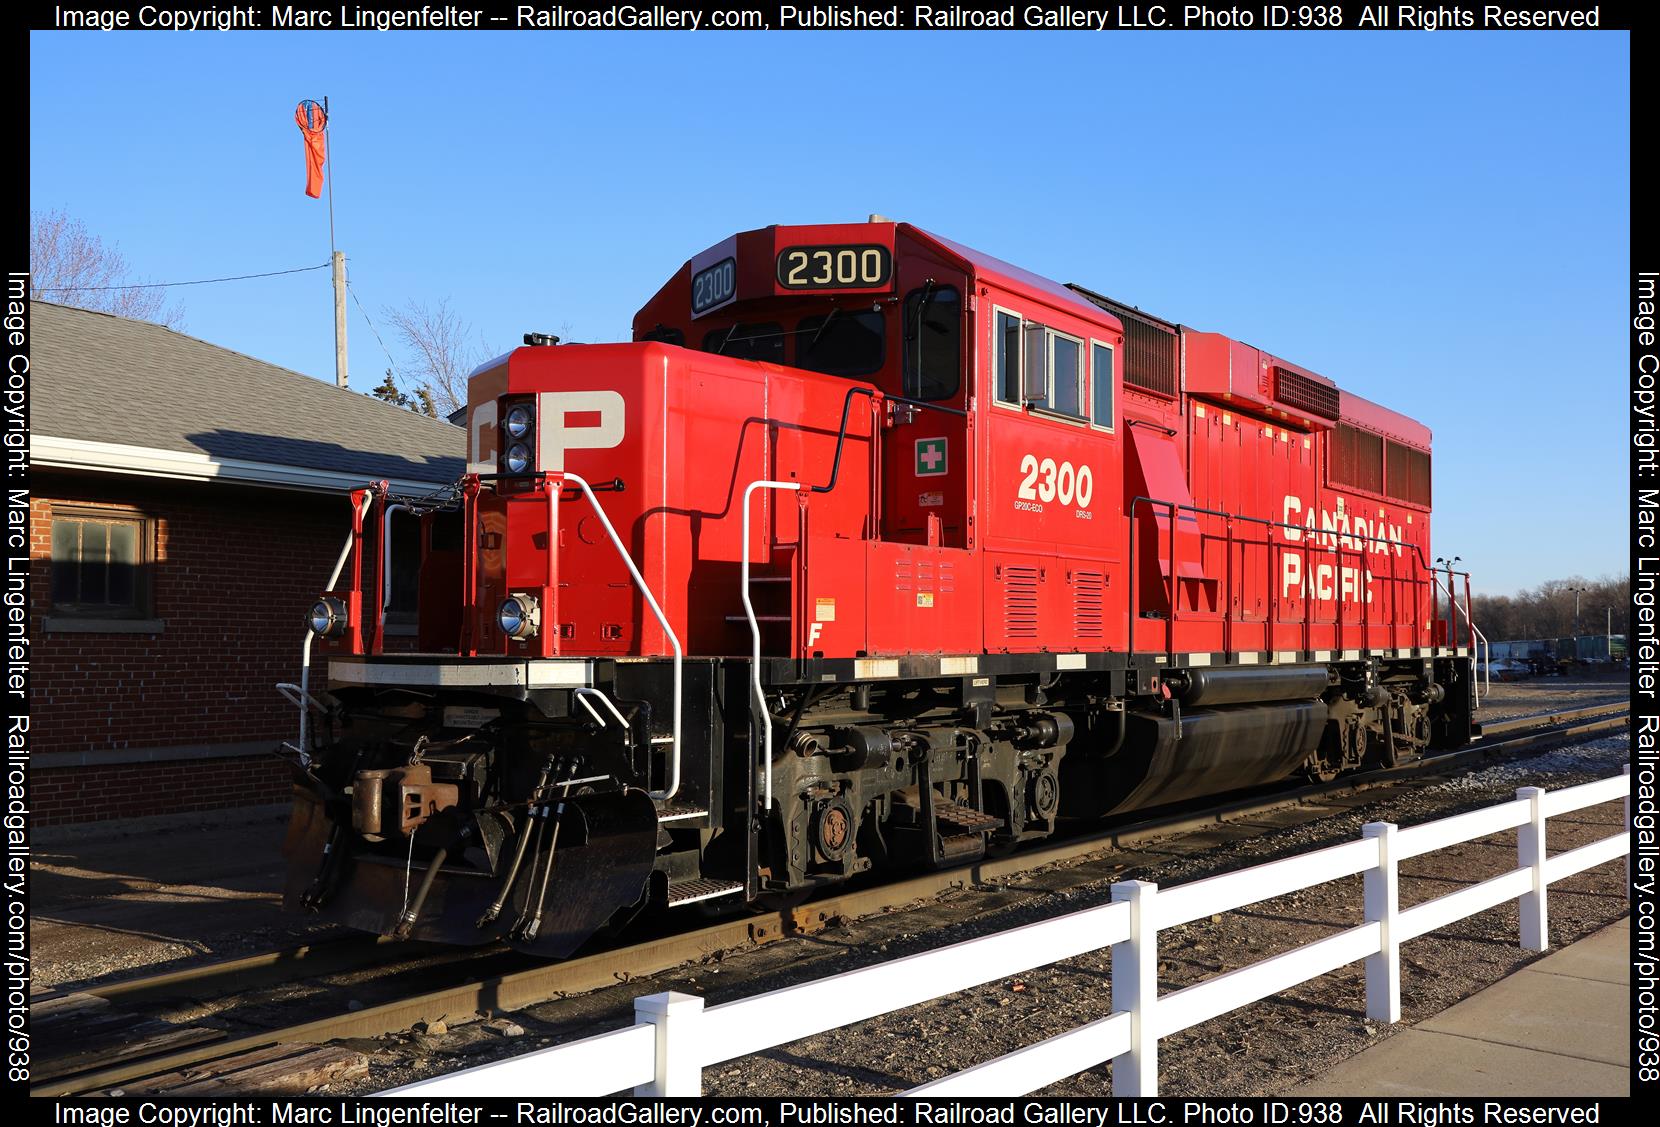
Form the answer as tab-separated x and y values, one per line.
1557	1027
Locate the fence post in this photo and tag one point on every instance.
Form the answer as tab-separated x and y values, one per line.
679	1069
1628	852
1135	990
1383	904
1530	854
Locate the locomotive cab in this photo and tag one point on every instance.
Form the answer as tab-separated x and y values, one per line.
869	550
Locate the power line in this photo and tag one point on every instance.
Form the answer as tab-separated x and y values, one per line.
165	285
351	289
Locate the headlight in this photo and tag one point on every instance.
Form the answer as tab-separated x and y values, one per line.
518	421
328	617
518	616
518	458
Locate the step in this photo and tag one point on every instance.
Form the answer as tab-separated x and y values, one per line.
702	889
962	820
678	813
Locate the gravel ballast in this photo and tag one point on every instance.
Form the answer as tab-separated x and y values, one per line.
1263	1048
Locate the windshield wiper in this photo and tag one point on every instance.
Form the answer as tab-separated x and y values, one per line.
824	324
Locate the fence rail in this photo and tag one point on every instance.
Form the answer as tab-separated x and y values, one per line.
674	1037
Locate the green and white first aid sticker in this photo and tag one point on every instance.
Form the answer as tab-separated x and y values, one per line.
930	457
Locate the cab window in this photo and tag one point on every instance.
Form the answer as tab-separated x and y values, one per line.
933	342
841	343
764	341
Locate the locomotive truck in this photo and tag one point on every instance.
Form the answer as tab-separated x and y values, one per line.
868	551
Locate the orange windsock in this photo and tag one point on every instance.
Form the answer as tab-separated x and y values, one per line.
313	122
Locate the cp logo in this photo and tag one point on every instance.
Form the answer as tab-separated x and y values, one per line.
565	420
577	420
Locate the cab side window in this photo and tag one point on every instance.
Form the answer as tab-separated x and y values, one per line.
1100	385
1007	346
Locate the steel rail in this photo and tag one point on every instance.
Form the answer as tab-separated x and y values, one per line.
515	990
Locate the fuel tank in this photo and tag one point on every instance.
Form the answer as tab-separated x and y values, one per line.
1217	750
1252	684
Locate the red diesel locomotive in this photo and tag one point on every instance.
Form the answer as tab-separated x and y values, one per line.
868	550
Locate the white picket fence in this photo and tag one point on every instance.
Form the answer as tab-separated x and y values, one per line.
675	1038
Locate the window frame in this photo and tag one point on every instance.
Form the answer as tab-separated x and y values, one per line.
1111	426
142	608
1020	361
1049	410
905	372
1025	406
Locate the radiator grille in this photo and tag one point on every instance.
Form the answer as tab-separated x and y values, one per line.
1087	588
1296	390
1020	602
1406	474
1152	348
1355	459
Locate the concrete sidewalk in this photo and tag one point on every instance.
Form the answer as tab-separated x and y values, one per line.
1558	1027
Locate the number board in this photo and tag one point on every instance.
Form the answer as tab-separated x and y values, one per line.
714	285
857	267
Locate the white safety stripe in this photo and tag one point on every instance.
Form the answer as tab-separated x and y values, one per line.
532	674
1071	661
959	666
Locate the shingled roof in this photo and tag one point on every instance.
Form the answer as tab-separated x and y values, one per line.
121	395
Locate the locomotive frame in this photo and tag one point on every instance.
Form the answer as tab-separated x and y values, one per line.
962	554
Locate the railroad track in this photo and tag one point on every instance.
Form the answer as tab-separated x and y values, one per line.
517	986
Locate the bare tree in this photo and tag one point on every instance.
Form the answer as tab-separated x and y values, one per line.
71	265
444	349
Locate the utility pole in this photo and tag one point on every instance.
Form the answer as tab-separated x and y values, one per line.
338	260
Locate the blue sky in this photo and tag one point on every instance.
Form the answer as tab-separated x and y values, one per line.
1439	222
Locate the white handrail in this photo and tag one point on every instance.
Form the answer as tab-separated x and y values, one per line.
386	558
310	635
687	1038
1484	671
760	702
657	612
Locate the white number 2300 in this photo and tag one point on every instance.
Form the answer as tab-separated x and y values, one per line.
1047	481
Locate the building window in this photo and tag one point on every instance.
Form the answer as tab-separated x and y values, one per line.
100	563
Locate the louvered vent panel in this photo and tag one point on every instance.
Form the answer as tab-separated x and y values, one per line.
1152	349
1087	590
1020	602
1295	390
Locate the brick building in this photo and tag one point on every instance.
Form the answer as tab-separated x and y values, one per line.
188	503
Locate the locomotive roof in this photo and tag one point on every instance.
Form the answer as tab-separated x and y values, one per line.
107	379
1008	274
